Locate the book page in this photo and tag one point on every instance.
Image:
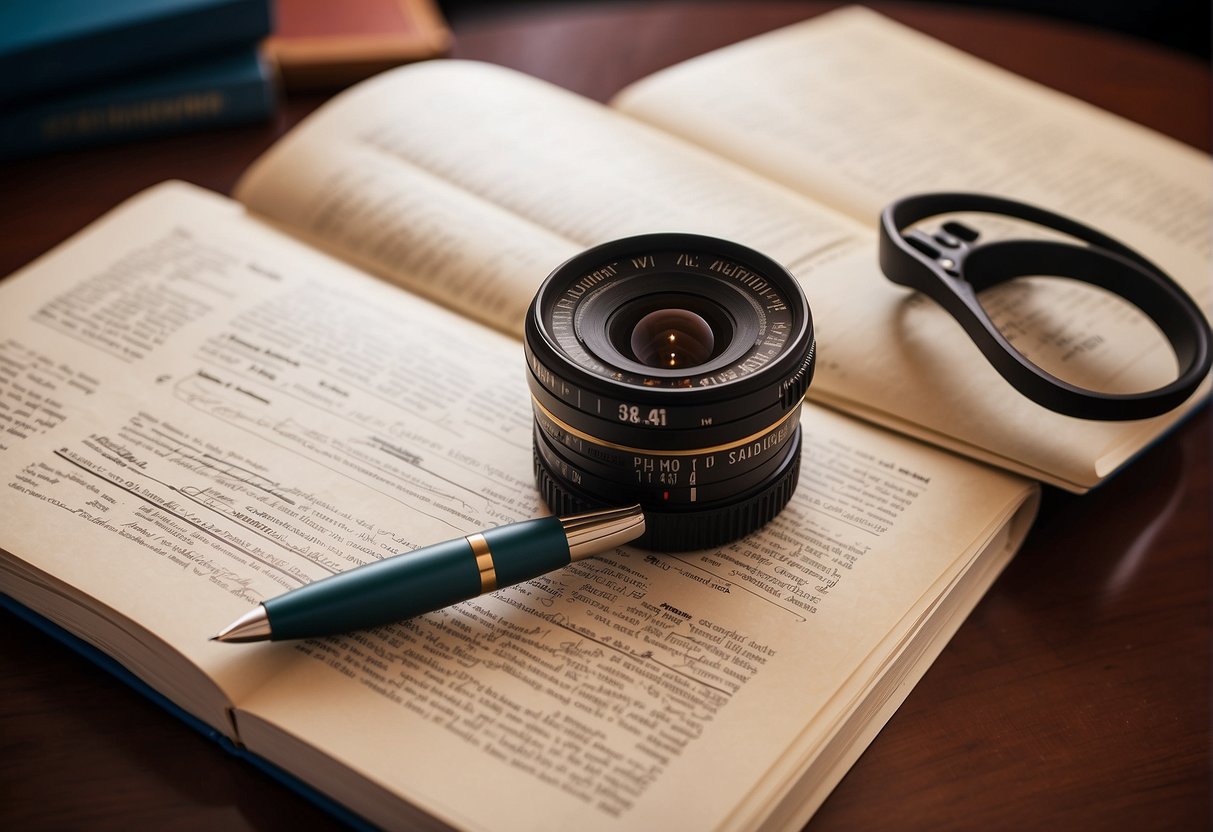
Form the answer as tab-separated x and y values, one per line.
864	111
403	223
469	183
640	690
211	414
198	413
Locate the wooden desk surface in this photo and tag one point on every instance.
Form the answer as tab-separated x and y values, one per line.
1075	697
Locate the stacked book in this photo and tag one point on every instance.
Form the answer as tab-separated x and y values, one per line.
78	72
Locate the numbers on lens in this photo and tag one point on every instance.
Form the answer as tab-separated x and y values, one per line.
636	415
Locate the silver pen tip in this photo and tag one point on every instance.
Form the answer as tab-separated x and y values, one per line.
254	625
594	532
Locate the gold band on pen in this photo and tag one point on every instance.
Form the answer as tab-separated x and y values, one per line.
484	562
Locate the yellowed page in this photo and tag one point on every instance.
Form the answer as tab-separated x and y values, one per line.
469	183
863	111
642	691
788	802
331	186
200	413
217	414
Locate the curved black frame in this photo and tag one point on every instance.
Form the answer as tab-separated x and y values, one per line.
951	270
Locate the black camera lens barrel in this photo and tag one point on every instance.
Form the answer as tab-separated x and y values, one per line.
635	402
698	475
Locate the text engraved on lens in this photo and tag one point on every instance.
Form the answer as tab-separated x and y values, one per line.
590	281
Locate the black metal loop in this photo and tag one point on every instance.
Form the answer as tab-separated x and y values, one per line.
951	267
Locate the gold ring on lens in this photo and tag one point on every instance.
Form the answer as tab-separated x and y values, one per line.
654	452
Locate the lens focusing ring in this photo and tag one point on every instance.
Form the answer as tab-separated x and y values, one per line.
704	472
711	451
670	531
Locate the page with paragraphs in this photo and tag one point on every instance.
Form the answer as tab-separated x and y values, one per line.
602	691
200	413
461	168
217	414
865	110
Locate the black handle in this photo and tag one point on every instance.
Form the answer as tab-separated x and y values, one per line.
951	268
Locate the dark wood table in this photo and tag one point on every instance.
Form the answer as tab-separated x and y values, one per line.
1075	697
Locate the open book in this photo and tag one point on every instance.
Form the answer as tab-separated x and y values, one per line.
207	402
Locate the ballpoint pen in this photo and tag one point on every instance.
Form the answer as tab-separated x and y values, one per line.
436	576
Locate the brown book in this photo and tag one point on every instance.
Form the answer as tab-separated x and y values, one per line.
320	44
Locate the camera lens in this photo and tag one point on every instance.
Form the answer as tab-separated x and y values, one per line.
668	370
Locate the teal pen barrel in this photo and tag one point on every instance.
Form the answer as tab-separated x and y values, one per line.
526	550
389	590
421	581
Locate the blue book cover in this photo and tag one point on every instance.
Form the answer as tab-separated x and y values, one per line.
48	46
112	666
224	89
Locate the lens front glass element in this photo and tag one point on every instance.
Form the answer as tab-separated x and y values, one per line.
672	338
668	331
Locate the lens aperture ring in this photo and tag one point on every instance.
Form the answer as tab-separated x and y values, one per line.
679	468
667	424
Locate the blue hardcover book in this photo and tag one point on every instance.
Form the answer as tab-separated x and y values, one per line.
116	669
216	90
48	46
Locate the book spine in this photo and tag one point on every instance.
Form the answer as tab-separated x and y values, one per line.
137	112
129	44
